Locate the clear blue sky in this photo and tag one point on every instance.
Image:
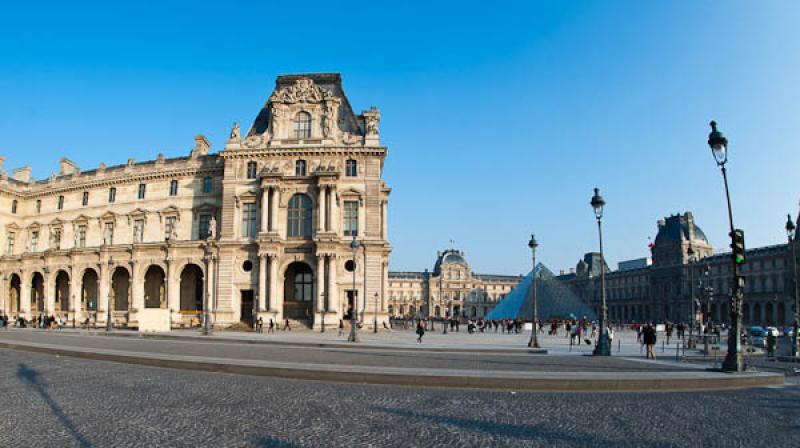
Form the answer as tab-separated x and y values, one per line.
500	118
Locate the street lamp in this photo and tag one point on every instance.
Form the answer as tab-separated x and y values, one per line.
603	347
376	312
733	360
110	290
693	318
790	232
353	313
534	342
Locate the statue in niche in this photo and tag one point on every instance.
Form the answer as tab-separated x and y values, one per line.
277	115
212	228
235	132
325	122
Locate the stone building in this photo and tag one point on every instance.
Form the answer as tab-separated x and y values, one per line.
262	228
662	290
451	289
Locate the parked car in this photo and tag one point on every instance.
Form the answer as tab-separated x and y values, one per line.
773	331
758	337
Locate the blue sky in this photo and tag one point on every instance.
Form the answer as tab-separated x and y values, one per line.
500	117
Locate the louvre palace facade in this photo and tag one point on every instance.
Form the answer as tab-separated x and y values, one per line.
262	228
451	289
686	269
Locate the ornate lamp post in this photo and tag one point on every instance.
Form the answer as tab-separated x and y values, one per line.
733	360
354	313
110	291
603	347
790	232
534	342
376	313
693	317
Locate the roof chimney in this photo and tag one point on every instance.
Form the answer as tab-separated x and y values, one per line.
23	174
66	166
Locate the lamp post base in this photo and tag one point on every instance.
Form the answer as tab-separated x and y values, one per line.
734	362
603	347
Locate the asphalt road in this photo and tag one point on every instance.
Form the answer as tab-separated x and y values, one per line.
60	402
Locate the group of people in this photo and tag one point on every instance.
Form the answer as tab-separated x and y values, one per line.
41	321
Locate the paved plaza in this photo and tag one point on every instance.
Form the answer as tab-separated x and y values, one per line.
62	401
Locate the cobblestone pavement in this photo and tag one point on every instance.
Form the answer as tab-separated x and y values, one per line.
49	401
362	357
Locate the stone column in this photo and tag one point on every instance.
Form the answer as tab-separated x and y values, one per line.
25	294
262	282
333	293
384	227
211	296
273	283
265	210
321	209
334	218
319	298
274	198
102	292
74	293
50	299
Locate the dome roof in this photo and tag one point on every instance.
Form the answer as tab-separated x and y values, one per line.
676	228
450	256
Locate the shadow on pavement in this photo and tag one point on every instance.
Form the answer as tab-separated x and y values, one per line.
31	379
524	432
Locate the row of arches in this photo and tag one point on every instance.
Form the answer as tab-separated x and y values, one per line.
191	290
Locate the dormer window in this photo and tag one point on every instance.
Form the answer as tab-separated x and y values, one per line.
300	168
302	125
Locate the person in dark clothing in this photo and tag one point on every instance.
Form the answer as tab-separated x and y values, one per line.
649	339
420	331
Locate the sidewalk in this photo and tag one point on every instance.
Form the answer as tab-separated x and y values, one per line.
511	371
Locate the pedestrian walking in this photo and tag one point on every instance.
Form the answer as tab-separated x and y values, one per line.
341	327
286	325
649	339
420	331
271	326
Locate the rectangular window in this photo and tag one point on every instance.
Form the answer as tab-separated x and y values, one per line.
138	230
38	206
300	168
169	226
249	220
350	218
56	239
112	194
14	206
85	201
251	170
350	168
61	202
108	233
82	235
34	240
173	188
208	185
202	229
12	236
142	188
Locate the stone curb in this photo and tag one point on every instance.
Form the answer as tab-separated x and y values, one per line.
444	378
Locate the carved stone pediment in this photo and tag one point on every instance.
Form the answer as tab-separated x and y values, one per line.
303	91
169	211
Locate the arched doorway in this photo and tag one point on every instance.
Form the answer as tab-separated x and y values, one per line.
13	295
62	291
192	288
120	289
298	291
37	293
154	288
89	291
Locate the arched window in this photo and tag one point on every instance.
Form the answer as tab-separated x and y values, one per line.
299	217
302	125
